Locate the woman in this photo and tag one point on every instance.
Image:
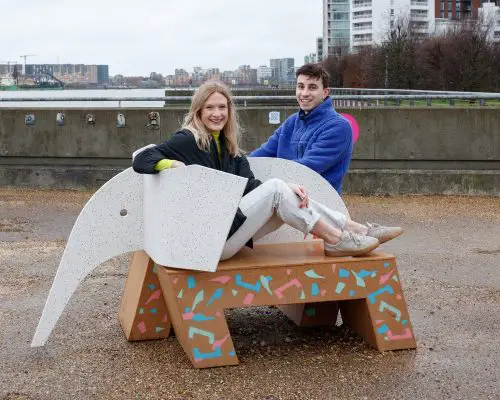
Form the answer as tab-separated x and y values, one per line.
209	137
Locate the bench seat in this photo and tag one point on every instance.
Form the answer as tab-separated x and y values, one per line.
296	277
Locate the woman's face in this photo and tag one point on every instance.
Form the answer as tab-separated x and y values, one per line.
215	112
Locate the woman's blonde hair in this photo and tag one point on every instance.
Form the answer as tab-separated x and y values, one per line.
193	122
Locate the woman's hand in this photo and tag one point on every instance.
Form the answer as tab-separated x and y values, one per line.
300	191
177	164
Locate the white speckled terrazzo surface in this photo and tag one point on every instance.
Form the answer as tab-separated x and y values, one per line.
180	217
99	233
187	215
319	189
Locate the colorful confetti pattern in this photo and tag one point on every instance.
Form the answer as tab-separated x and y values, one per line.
376	308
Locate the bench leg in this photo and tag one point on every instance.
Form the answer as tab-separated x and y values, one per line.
382	318
312	314
205	348
143	313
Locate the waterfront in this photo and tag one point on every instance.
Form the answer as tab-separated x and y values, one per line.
57	94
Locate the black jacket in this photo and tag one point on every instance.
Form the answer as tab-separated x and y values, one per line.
182	147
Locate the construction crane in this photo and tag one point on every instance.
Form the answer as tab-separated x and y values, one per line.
26	56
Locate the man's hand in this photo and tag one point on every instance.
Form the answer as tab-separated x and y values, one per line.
300	191
177	164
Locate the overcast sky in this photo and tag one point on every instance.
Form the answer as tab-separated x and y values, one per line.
138	37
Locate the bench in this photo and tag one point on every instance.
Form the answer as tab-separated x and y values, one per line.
176	280
298	278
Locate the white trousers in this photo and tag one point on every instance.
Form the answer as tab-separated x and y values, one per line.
270	206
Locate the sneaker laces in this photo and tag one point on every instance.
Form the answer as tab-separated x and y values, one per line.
373	225
355	238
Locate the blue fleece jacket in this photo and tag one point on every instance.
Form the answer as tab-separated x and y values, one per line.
320	140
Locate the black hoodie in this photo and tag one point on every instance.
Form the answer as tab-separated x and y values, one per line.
182	147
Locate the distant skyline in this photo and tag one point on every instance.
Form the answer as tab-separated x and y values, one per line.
160	36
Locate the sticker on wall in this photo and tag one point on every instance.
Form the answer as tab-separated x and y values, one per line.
60	119
90	119
154	120
29	119
354	126
120	120
274	117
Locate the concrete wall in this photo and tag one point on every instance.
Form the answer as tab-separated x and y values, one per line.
390	138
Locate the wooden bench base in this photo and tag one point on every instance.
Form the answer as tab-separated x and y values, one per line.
298	278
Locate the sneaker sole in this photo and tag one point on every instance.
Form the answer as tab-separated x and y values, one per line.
393	236
353	253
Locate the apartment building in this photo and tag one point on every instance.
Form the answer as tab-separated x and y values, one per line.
348	25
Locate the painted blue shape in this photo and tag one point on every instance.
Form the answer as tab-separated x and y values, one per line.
204	356
151	286
404	322
352	293
201	318
187	310
364	273
314	289
343	273
232	354
255	287
382	329
312	274
340	287
159	329
191	282
215	296
371	297
153	310
387	265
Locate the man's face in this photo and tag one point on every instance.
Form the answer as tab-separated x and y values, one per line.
310	92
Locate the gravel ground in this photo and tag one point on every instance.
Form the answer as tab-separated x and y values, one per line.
449	261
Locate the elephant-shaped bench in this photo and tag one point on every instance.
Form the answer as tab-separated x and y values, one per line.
176	223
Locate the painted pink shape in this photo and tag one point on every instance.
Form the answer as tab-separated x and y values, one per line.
323	292
165	318
219	343
385	278
221	279
175	280
248	299
406	335
218	314
294	282
142	327
399	297
155	296
198	360
288	271
379	321
354	126
334	267
188	316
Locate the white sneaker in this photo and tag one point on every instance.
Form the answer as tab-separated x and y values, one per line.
383	233
351	244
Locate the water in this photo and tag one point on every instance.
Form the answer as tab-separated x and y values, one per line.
55	94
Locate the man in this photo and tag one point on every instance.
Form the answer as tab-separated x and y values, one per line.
316	136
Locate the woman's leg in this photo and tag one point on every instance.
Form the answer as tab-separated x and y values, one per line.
275	198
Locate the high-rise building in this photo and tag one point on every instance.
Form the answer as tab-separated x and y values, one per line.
348	25
283	70
319	48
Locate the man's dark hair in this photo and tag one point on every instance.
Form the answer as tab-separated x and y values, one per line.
316	71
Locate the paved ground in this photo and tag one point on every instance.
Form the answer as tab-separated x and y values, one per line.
450	266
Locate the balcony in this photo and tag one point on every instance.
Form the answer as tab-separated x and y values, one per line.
362	5
419	3
356	17
419	17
